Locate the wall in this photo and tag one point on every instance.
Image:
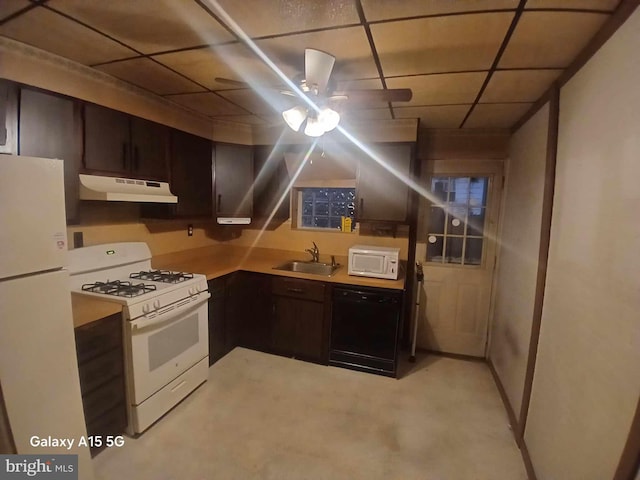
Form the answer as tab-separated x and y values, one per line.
515	282
586	383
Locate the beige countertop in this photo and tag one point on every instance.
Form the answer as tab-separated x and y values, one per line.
220	260
87	309
217	261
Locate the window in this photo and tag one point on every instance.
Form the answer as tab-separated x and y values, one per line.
326	207
456	220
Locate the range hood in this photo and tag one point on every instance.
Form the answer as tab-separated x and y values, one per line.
116	189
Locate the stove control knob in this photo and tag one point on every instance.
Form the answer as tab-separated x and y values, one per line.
156	304
192	291
146	308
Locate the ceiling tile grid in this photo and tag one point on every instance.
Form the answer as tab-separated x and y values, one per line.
442	50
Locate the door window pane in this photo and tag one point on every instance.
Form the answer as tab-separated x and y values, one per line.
458	211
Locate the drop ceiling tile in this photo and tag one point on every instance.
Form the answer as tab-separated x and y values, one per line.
247	119
148	74
349	45
260	102
54	33
366	114
148	25
9	7
375	10
608	5
440	44
550	39
363	84
208	104
258	18
443	116
439	89
496	115
518	85
233	61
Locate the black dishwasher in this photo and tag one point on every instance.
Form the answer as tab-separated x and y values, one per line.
364	329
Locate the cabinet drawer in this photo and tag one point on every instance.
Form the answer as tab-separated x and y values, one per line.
100	369
108	396
98	337
297	288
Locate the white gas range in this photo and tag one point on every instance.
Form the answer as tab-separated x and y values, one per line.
165	330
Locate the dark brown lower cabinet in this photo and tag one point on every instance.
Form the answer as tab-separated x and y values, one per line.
300	319
248	310
218	341
101	370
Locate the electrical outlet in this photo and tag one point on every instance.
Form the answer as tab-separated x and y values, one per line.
190	230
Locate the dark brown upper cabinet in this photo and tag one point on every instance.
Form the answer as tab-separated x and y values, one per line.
190	179
51	126
233	174
380	195
270	186
119	144
8	117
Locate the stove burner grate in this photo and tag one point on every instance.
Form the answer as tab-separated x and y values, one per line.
119	288
164	276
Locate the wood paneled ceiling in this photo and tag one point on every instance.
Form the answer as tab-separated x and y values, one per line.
470	63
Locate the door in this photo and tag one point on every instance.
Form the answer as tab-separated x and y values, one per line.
233	180
456	244
191	177
379	194
150	143
50	127
106	140
161	349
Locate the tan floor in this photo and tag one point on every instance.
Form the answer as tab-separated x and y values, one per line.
267	417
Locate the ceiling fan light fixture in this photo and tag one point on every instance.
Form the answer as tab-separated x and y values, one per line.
295	117
314	128
328	118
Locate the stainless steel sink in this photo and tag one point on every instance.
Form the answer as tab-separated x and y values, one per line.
315	268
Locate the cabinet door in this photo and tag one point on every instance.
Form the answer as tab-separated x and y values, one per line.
233	180
216	310
8	117
285	321
380	195
309	330
106	140
50	127
191	178
149	149
270	185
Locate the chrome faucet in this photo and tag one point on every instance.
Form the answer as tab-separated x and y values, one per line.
315	253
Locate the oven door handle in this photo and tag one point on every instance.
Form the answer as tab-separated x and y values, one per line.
169	313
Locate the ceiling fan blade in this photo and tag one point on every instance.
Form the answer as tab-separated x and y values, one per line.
235	83
378	95
317	68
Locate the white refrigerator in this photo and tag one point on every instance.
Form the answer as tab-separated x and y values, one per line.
38	366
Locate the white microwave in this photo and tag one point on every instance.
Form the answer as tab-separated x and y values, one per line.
371	261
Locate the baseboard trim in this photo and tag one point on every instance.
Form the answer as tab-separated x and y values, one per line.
457	356
515	429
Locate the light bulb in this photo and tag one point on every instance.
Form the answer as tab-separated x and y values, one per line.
294	117
329	119
314	128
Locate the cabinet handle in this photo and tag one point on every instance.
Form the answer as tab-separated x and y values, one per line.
219	203
124	155
295	290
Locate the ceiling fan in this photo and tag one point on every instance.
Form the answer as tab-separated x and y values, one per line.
319	88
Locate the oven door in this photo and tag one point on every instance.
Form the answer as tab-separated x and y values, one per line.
161	348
